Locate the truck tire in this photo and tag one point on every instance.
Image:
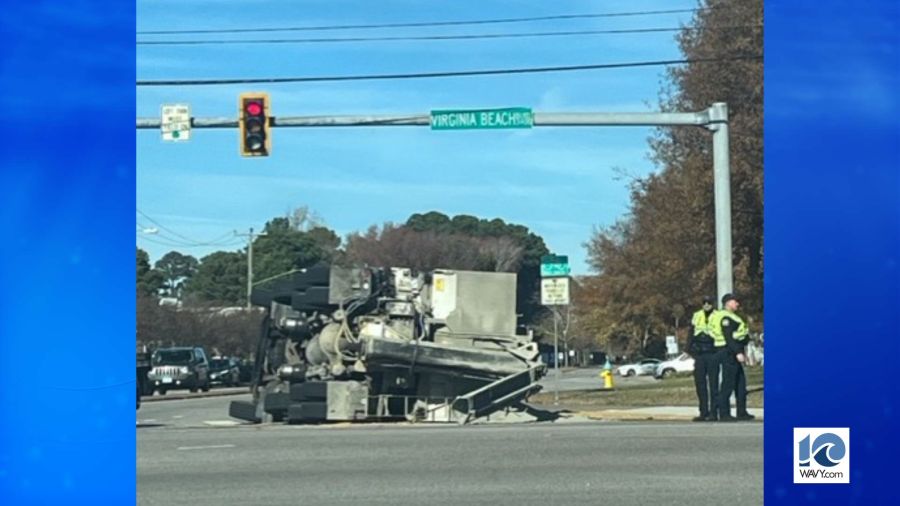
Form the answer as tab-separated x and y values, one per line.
309	391
668	373
307	412
205	386
243	410
162	391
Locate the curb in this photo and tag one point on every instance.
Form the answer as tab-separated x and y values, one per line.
199	395
631	416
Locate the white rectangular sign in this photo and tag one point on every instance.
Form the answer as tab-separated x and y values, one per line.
671	345
175	122
555	291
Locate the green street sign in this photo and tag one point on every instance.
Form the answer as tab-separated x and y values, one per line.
555	265
512	117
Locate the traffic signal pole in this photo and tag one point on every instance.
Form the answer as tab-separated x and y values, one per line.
715	119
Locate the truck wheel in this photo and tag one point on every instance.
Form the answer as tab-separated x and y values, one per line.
193	390
630	373
205	386
668	373
162	391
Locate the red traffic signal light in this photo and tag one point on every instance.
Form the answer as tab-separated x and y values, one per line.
254	123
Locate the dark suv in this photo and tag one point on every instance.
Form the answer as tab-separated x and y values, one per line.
179	368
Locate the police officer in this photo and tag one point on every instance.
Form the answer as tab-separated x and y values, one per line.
706	365
730	335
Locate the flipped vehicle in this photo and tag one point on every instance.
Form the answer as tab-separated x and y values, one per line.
179	368
359	343
681	363
224	371
646	367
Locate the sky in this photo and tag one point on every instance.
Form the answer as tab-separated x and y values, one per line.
560	182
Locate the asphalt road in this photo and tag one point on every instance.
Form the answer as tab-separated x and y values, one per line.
190	454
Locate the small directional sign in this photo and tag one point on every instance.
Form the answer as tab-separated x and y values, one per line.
176	122
555	291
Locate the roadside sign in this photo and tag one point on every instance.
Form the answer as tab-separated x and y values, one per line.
555	265
555	291
511	117
671	345
175	122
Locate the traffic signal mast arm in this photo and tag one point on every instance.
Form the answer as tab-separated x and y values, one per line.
703	118
715	119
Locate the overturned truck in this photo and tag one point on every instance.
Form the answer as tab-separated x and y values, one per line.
353	344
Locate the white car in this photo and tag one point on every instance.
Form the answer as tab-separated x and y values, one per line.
646	367
682	363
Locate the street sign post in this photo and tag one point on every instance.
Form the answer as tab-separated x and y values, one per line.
175	122
555	292
511	117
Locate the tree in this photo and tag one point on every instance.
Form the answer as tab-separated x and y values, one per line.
221	277
662	254
176	269
149	281
284	248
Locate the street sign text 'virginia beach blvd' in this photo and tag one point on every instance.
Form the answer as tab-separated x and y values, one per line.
512	117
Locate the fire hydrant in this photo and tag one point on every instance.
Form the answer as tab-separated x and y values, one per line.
607	375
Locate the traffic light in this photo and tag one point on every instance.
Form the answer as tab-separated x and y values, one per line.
254	123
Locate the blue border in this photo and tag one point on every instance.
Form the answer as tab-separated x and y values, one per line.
832	225
67	320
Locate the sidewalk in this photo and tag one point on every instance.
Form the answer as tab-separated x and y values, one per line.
666	413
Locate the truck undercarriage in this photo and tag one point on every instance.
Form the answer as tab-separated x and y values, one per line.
363	344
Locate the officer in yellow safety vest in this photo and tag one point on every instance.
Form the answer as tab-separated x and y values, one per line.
730	335
706	365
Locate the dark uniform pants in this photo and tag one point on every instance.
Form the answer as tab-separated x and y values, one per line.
733	381
706	380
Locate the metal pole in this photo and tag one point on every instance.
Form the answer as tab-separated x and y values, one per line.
556	357
249	267
718	115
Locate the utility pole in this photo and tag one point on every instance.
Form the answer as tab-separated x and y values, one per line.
250	236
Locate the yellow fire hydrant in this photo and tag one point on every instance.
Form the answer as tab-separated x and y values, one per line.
607	375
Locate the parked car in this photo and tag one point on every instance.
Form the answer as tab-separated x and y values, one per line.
681	363
224	371
646	367
179	368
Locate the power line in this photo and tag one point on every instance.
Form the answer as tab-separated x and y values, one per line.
426	23
426	37
182	238
183	246
431	75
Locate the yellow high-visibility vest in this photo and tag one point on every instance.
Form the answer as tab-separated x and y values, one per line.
701	323
715	325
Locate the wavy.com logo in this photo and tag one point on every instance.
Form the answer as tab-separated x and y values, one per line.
821	455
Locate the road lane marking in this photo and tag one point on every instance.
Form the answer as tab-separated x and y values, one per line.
221	423
207	447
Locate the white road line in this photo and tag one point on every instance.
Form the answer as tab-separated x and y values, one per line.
207	447
221	423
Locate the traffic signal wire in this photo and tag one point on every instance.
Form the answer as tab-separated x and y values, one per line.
428	23
432	75
421	38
